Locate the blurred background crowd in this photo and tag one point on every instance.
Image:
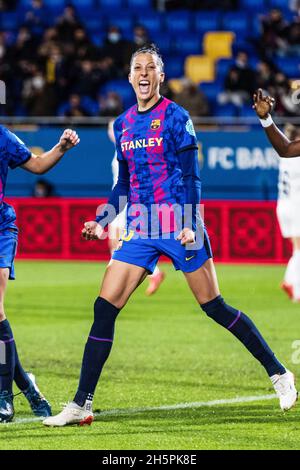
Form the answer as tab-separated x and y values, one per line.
72	59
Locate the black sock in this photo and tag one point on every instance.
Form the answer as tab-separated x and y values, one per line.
21	378
244	329
7	357
97	349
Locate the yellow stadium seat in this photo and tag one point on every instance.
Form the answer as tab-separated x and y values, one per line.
218	44
175	84
199	68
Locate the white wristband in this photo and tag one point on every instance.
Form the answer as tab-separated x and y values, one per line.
267	122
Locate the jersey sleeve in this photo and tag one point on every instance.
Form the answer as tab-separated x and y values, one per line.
183	131
118	134
16	150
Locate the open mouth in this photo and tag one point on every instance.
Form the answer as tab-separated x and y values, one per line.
144	86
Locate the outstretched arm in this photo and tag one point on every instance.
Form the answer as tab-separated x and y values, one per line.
40	164
284	147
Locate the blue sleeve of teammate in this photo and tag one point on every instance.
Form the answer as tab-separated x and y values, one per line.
118	197
16	150
192	184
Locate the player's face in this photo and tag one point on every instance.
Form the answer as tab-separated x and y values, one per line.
145	77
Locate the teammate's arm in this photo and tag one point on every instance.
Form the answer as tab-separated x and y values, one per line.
284	147
40	164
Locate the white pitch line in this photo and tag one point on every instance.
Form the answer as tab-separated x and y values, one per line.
179	406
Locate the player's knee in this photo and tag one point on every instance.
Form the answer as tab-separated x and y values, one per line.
4	275
218	310
105	315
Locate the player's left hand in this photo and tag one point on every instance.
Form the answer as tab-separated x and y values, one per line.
186	236
263	105
68	140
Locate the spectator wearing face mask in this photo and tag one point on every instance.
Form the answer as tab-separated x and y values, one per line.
110	104
115	46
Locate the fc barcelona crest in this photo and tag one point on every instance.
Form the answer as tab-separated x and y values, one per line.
155	124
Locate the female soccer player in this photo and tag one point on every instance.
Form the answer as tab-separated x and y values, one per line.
13	154
159	173
118	225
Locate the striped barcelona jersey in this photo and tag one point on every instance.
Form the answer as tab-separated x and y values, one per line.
12	154
150	142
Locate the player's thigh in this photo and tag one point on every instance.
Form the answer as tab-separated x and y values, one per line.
296	243
203	282
4	275
120	281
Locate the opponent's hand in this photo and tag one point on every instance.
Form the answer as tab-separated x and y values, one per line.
263	105
92	231
186	236
68	140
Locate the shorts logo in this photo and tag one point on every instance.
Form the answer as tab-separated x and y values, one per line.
127	236
155	124
190	128
188	259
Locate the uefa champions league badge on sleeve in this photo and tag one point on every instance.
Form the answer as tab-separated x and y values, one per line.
190	128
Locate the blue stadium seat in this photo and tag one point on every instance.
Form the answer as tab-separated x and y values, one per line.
211	90
281	4
174	66
236	22
257	5
178	21
10	21
139	4
246	111
80	3
93	23
223	66
123	88
111	5
55	4
204	21
164	43
226	110
245	46
124	20
153	22
187	44
289	66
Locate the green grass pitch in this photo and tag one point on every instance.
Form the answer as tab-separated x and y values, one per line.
166	352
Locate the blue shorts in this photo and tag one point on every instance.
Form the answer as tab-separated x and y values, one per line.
146	252
8	249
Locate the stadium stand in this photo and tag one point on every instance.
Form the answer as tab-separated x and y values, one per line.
201	45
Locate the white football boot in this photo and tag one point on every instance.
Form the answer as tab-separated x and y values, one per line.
285	389
72	414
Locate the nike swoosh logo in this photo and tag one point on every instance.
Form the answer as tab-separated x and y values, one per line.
124	130
188	259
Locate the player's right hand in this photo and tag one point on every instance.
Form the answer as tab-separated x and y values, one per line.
263	105
92	230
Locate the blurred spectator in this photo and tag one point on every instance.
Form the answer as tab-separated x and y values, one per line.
67	23
88	79
24	47
264	75
192	99
43	188
281	90
118	48
110	104
83	47
239	83
140	36
293	39
6	5
75	107
274	29
36	17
